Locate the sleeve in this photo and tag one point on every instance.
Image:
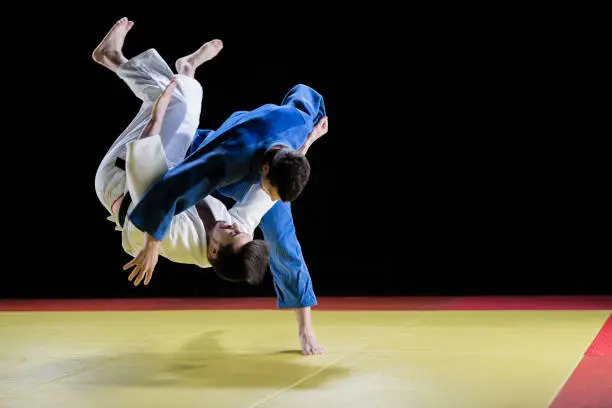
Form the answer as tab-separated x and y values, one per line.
194	178
249	211
291	277
145	163
200	136
306	100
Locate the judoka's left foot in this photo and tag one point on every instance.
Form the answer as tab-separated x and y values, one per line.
310	345
109	52
188	64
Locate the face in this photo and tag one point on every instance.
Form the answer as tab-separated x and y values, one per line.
266	185
226	234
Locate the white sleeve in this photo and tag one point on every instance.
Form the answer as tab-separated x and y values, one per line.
145	163
249	211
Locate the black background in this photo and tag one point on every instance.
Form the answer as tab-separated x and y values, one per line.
449	168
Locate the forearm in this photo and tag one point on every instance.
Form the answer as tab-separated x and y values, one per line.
293	292
291	276
305	146
159	110
152	128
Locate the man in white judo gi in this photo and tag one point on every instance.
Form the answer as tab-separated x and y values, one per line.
156	140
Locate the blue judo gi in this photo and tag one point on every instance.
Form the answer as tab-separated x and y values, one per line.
228	160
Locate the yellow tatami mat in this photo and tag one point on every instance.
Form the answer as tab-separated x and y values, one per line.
238	358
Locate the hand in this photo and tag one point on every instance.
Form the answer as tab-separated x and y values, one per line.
144	261
320	129
308	341
163	100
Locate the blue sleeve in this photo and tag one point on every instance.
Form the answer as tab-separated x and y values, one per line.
306	100
200	136
200	173
291	277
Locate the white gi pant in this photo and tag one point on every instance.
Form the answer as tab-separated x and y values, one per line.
147	75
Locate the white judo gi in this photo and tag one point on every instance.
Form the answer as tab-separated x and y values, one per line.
147	159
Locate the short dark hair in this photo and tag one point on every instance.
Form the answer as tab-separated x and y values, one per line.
248	264
289	172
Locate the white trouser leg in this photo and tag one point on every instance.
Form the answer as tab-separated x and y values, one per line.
147	75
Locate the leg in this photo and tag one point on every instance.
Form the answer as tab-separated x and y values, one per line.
178	129
147	75
110	180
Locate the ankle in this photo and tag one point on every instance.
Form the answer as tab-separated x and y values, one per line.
185	67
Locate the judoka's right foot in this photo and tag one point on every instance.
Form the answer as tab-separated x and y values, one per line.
188	64
109	52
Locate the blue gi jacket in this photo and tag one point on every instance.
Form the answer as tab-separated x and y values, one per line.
228	160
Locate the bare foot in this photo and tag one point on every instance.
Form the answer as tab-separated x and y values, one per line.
189	63
310	345
108	53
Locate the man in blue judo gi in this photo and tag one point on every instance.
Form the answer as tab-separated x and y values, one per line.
228	160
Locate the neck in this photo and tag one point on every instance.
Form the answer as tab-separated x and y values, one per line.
206	215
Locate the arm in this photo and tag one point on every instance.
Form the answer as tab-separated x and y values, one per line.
145	261
202	172
291	277
159	110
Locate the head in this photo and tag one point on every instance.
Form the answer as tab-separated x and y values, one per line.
235	256
284	173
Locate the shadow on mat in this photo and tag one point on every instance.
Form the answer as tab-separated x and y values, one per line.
202	362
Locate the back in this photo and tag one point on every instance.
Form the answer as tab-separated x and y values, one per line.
258	128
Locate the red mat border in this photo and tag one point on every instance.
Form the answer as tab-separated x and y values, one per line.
590	384
602	344
325	303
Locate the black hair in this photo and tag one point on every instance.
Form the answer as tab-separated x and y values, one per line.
289	172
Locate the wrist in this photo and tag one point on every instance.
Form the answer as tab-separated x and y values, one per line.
150	241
